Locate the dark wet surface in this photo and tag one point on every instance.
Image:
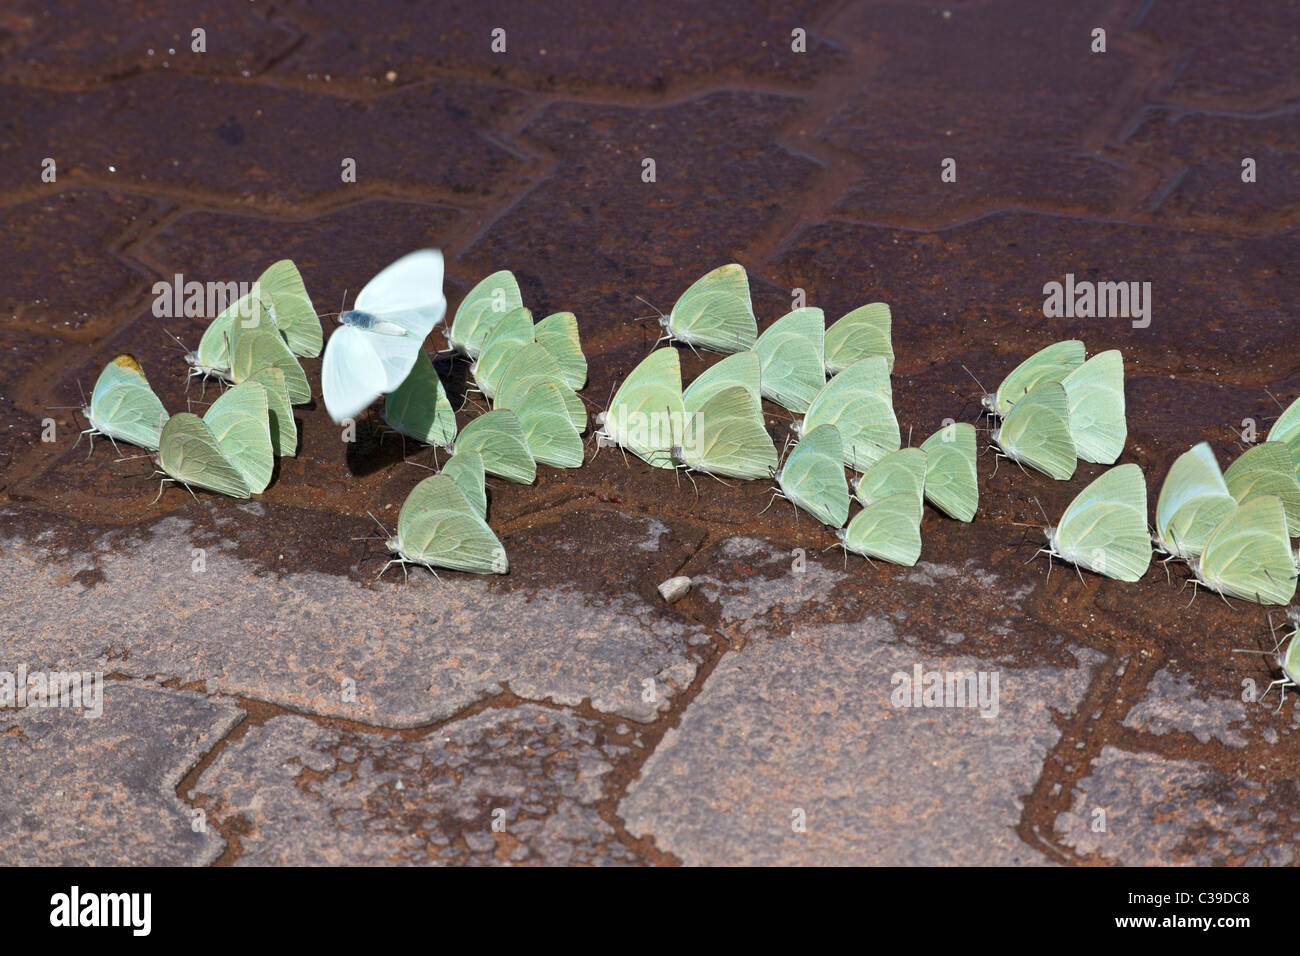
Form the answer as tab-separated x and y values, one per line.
818	171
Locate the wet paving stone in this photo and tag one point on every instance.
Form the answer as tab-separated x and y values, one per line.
256	146
517	786
101	791
576	46
1161	812
165	602
785	732
62	42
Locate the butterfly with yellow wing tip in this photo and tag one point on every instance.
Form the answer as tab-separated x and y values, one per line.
714	313
123	407
438	528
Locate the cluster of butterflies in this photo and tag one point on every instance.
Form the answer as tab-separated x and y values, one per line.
530	373
1233	529
715	424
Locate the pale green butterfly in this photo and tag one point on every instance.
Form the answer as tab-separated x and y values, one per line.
530	366
1267	469
791	355
715	312
256	343
1046	365
899	472
1249	554
812	476
1094	393
466	469
212	358
726	438
558	334
485	305
646	414
858	402
1036	432
419	407
285	295
864	331
284	430
1193	501
951	482
547	429
188	452
123	407
889	529
438	528
512	332
742	368
499	438
1104	529
1287	430
240	421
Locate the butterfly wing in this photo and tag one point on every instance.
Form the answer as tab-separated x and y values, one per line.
189	453
889	529
1037	431
283	290
499	438
351	374
486	304
716	312
727	438
1249	554
1094	395
791	357
951	480
1046	365
124	407
861	333
558	334
419	407
813	476
407	293
1105	528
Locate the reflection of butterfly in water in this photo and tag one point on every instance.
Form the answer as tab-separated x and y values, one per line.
379	340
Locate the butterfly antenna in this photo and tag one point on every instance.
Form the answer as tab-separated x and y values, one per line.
977	381
657	314
1042	511
1274	397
